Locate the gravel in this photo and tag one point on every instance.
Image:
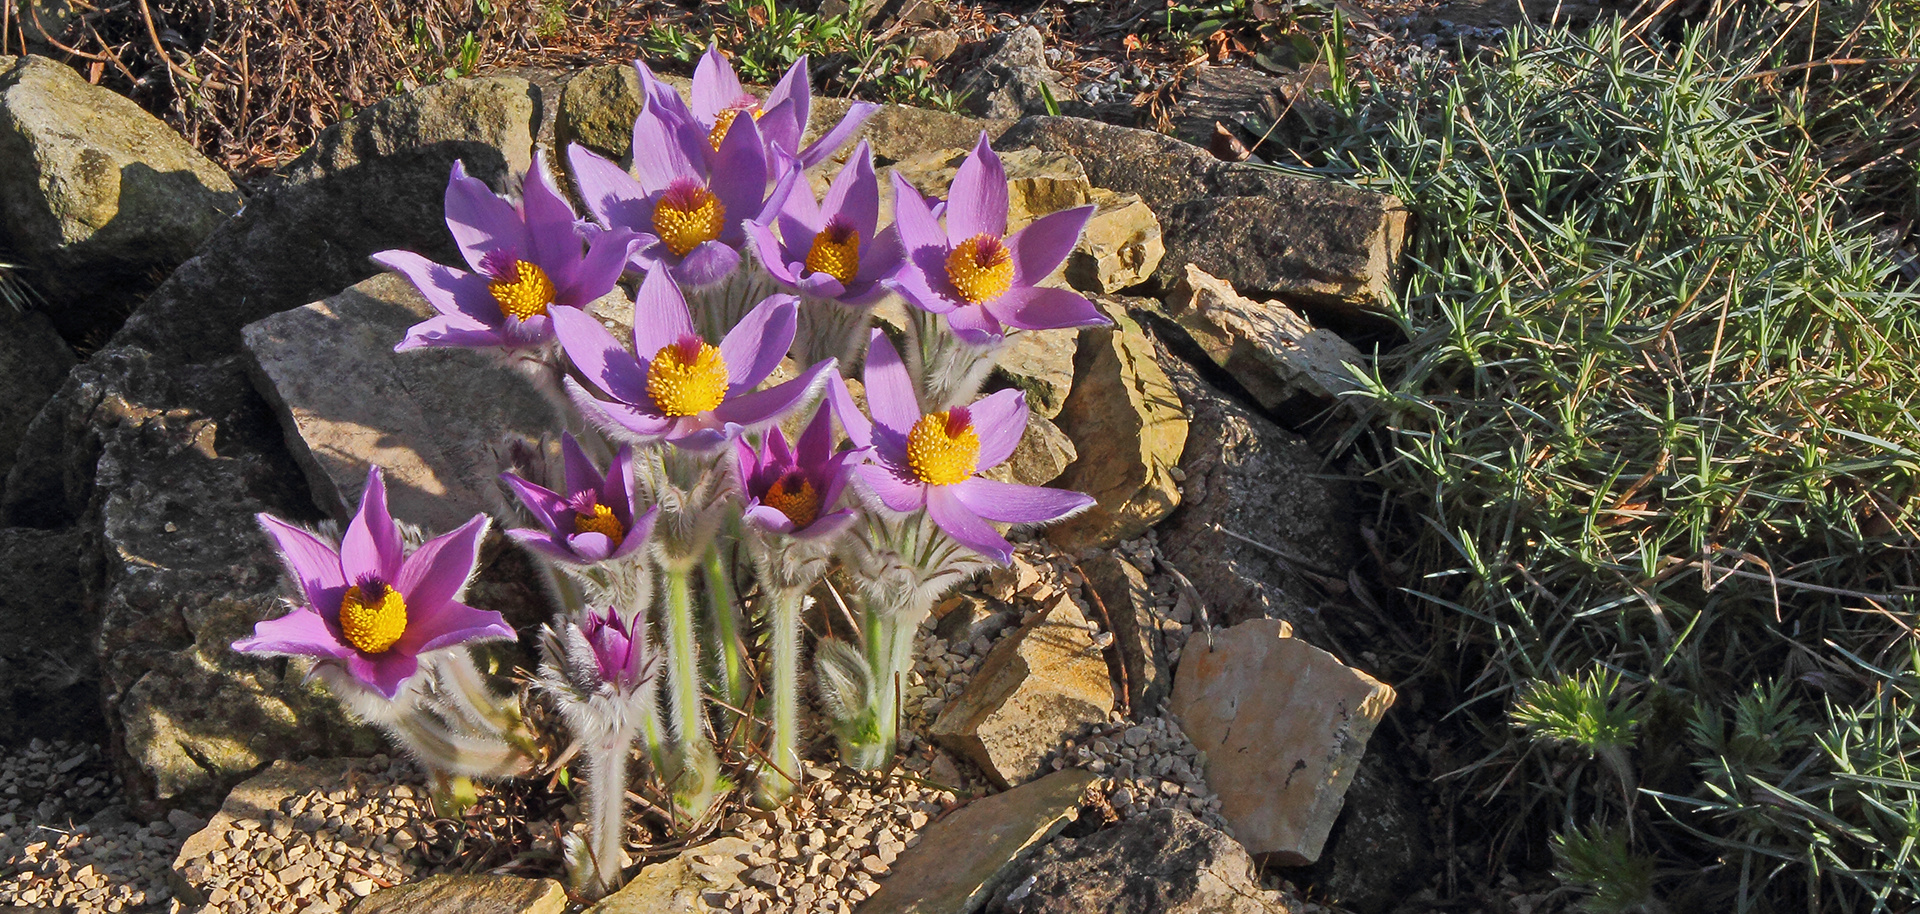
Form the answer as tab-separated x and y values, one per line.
66	842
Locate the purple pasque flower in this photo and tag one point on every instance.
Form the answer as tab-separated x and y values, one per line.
619	648
974	273
686	205
792	491
370	608
597	520
833	249
719	99
675	386
933	461
526	260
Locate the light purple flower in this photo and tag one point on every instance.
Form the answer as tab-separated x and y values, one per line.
971	271
833	249
622	658
675	386
793	491
719	99
932	461
597	520
368	607
526	260
687	206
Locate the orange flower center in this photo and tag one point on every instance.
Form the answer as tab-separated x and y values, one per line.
981	268
723	122
687	378
373	625
522	289
687	216
943	448
836	251
794	496
600	520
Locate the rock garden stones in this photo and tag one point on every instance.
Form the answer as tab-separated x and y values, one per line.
1015	79
1284	726
1165	862
95	191
1289	366
961	859
469	895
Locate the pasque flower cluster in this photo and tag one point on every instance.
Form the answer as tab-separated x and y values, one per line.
716	464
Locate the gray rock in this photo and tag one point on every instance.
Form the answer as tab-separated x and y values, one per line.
1290	366
961	860
346	400
1321	244
597	108
1126	425
1011	81
1123	591
468	895
33	362
1037	687
1261	517
96	192
1283	726
1380	850
160	451
49	680
1165	862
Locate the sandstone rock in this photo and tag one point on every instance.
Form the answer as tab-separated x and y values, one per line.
1315	242
1165	862
468	895
1037	687
1120	248
1261	517
1038	182
1044	453
258	798
1125	422
597	108
1011	81
160	450
898	132
1284	726
1039	362
33	362
49	679
677	885
1286	363
1123	591
432	418
95	191
960	860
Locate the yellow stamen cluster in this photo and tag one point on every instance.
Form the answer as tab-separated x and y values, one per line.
372	626
942	449
600	520
688	216
523	290
981	268
794	496
836	252
723	121
685	381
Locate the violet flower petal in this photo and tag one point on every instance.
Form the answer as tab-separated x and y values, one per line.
890	394
708	263
823	148
858	428
542	542
999	418
590	547
450	331
715	87
974	324
754	411
451	623
598	356
767	518
1042	246
310	560
977	202
612	196
959	521
599	271
1045	309
854	195
302	632
437	571
371	548
1010	503
580	473
448	290
480	221
549	219
384	673
771	253
660	316
755	346
897	493
546	505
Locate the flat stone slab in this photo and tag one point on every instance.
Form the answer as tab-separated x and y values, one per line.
433	418
961	859
1284	725
676	886
468	895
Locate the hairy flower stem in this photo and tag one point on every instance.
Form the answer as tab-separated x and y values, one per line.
949	371
697	774
889	643
726	627
782	778
606	772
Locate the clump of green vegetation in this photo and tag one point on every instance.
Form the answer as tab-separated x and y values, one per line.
1653	430
764	38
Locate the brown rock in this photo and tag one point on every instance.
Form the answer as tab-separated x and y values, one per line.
1125	422
960	859
1038	182
1037	687
1284	726
347	400
1039	362
597	108
1277	355
677	885
1324	244
468	895
1123	591
1120	248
